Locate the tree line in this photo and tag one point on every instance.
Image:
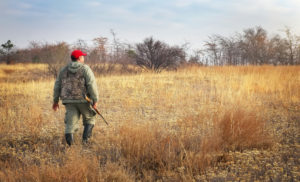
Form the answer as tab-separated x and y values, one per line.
253	46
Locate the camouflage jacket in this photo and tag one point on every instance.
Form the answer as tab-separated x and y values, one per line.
73	81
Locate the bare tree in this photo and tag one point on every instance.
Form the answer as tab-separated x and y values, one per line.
254	45
212	49
99	53
297	51
116	49
277	49
81	45
156	55
195	58
292	42
230	51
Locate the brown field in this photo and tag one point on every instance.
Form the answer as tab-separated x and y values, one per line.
195	124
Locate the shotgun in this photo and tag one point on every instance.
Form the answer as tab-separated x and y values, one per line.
95	109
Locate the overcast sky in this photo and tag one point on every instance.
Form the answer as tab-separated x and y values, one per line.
172	21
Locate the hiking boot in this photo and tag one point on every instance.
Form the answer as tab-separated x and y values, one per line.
69	138
87	132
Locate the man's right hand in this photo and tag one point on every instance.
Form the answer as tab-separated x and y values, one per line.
95	105
55	106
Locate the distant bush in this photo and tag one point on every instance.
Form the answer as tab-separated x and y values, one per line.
156	55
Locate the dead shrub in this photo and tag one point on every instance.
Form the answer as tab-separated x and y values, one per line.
239	129
144	148
154	148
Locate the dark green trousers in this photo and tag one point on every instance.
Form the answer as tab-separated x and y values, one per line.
73	113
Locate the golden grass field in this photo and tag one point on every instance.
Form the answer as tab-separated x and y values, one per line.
194	124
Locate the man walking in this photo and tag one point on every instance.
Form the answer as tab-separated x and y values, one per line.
75	81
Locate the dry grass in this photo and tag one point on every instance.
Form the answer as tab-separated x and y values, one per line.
199	123
22	72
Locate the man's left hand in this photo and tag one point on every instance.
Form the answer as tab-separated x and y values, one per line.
55	106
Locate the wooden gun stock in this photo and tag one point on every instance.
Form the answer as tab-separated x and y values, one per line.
95	109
